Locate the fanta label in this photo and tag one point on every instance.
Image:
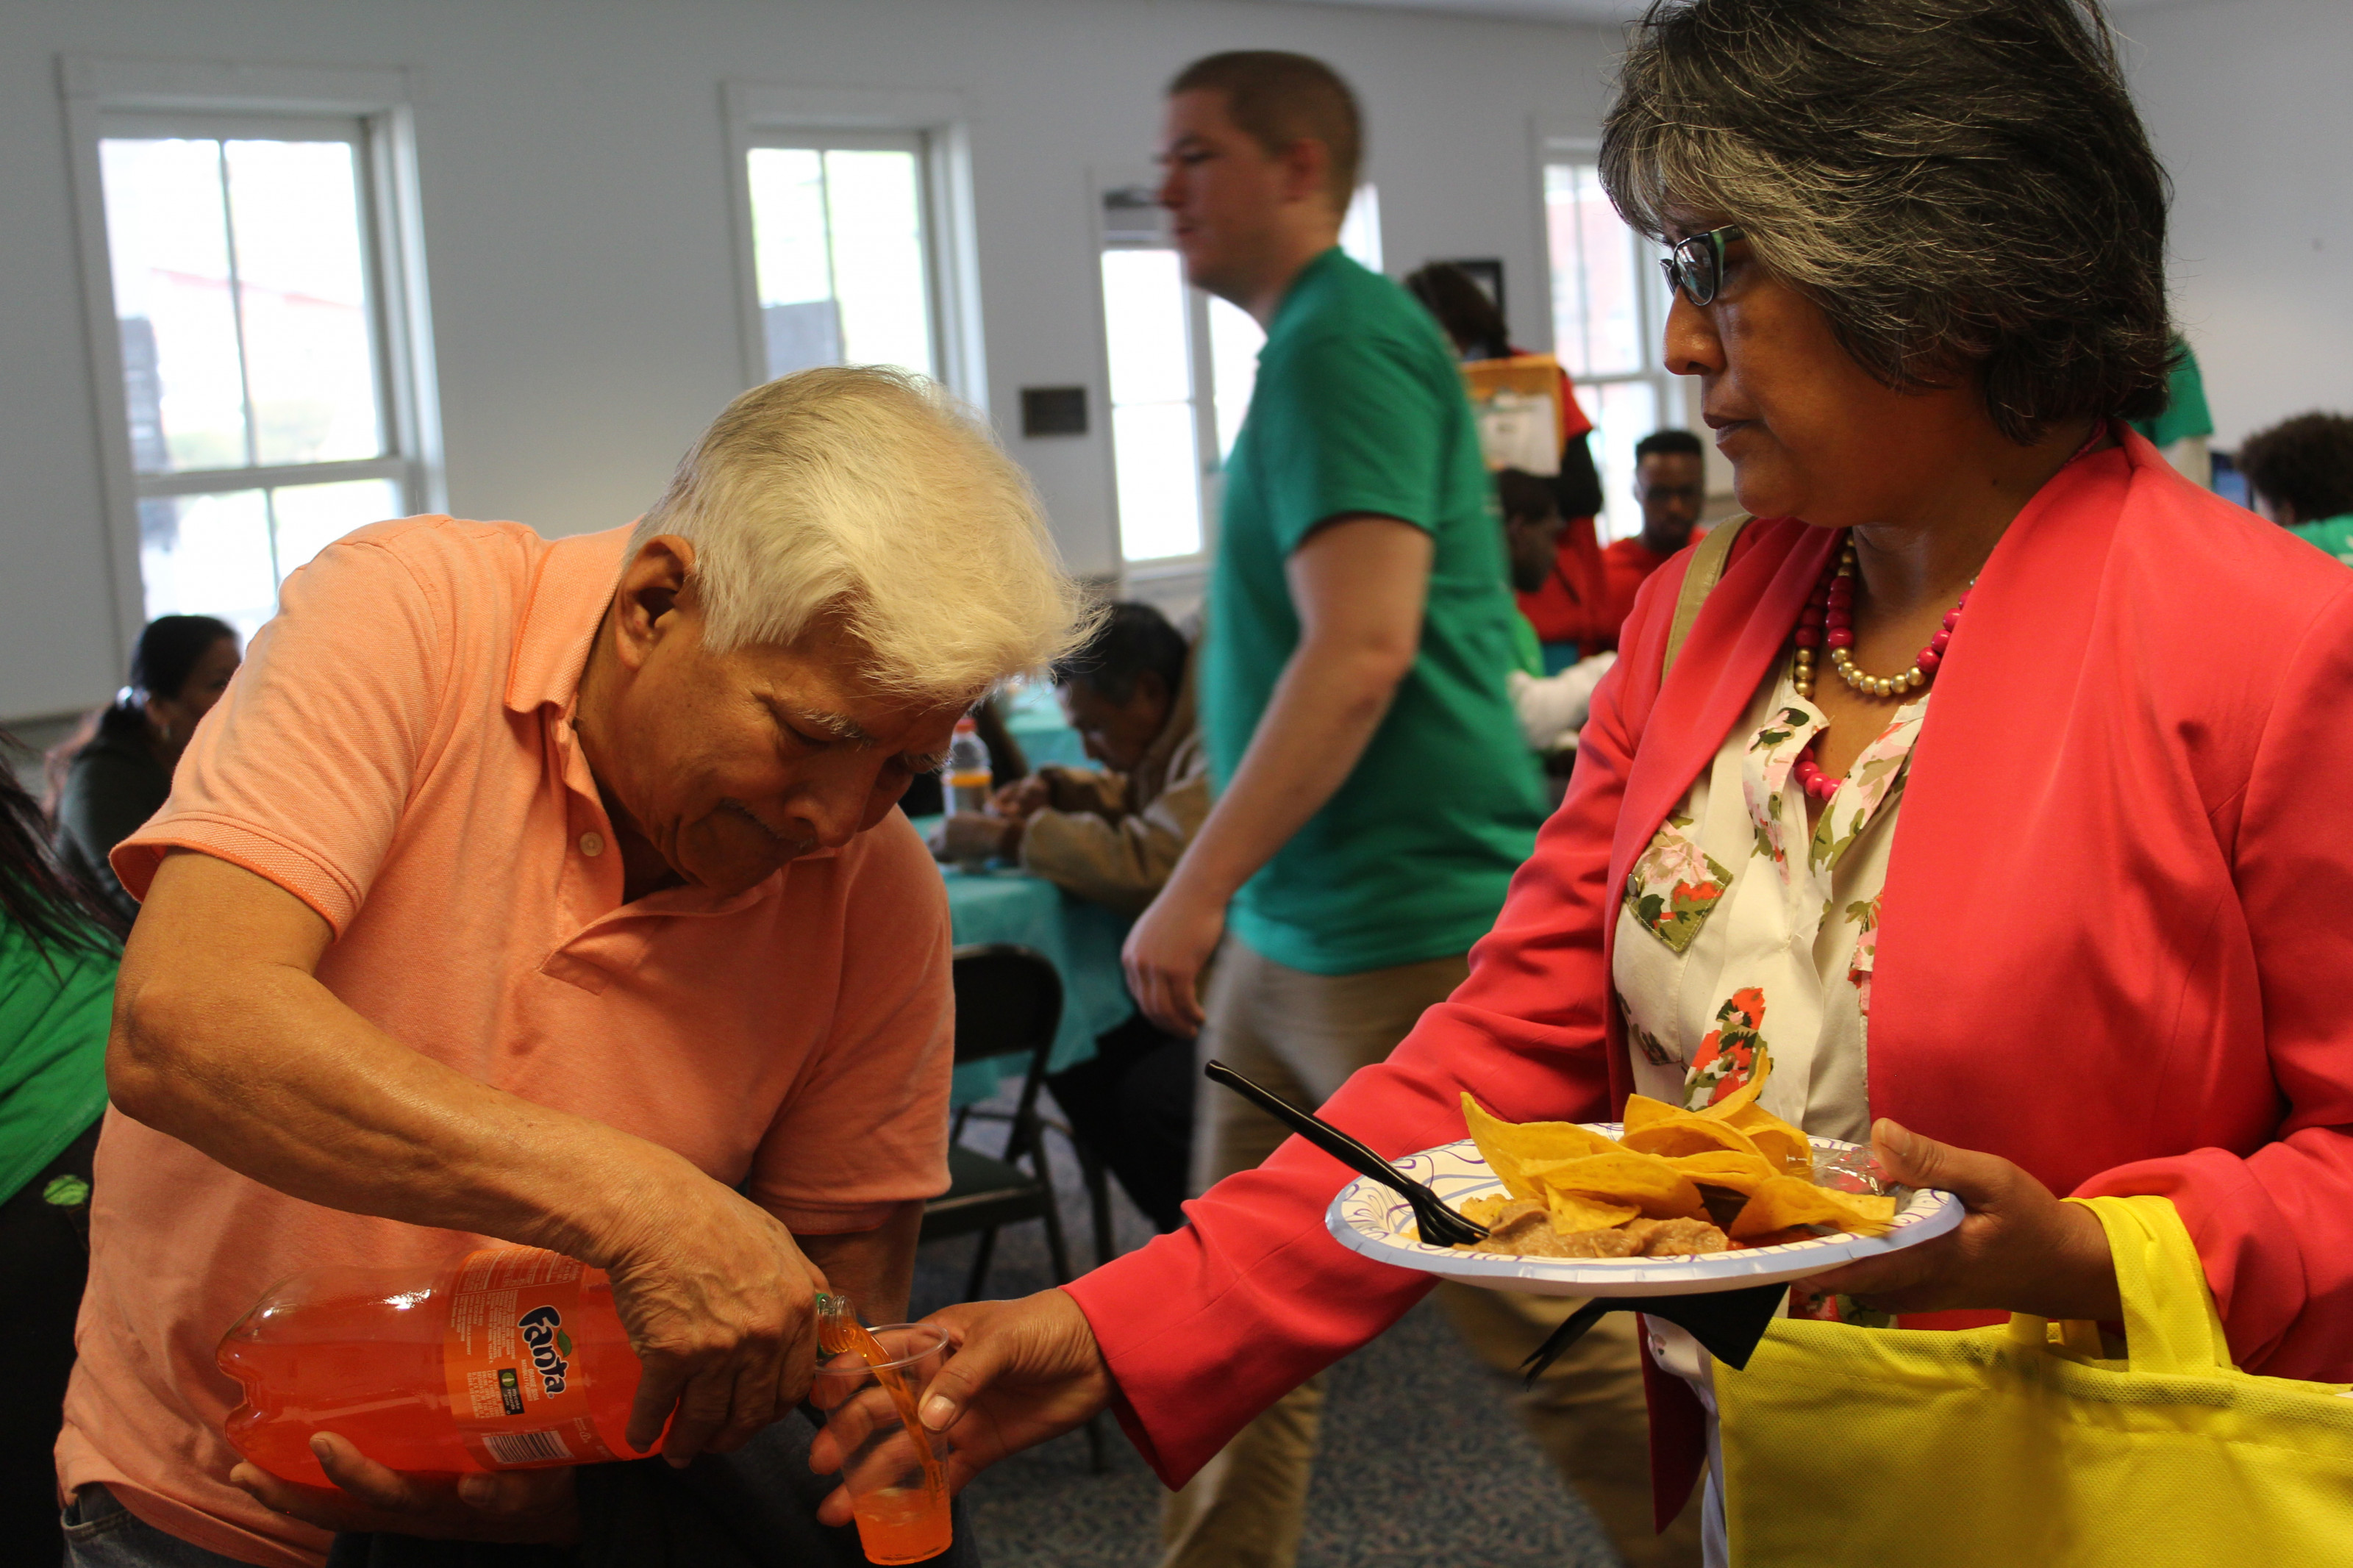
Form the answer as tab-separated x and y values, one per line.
518	1385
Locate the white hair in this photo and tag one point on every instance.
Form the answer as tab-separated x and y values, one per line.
867	494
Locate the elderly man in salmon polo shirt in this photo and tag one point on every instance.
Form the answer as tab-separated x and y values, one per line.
554	892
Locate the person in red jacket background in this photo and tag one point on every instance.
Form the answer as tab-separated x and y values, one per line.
1670	483
2057	730
1570	608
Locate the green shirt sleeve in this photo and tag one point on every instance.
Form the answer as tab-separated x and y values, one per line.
1346	425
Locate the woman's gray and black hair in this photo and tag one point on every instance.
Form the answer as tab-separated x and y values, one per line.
1962	185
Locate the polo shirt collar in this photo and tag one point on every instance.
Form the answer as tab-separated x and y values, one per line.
569	596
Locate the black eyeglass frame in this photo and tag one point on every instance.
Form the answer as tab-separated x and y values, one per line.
1695	266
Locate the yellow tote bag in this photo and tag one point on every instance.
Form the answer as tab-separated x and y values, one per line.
2010	1445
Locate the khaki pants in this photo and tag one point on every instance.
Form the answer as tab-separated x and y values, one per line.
1302	1034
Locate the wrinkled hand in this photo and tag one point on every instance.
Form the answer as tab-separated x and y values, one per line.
721	1306
1023	798
1167	949
969	835
2019	1249
1021	1371
511	1505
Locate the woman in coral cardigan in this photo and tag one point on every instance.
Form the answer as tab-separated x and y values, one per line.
1998	788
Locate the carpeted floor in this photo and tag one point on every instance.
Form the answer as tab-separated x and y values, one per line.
1423	1463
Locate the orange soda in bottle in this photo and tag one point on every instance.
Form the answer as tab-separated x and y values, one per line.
507	1358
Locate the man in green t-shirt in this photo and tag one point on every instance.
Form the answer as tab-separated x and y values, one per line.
2300	475
1373	793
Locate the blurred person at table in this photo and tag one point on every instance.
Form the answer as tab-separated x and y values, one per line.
60	946
551	893
1671	485
1551	709
116	771
1568	602
2300	472
1372	795
1112	836
2010	754
2182	429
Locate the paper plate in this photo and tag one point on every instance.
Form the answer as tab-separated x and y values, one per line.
1367	1217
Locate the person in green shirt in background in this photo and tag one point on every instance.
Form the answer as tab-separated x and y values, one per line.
2300	475
60	946
2181	432
1374	792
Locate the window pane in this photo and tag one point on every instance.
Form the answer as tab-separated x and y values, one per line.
792	258
874	201
1143	326
1622	412
1234	341
1159	471
294	223
167	244
1597	295
311	517
1360	231
208	555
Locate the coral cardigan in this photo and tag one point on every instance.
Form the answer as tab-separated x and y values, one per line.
2115	942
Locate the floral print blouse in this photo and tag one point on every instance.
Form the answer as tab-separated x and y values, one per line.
1738	926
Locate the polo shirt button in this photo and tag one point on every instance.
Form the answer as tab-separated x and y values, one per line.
592	844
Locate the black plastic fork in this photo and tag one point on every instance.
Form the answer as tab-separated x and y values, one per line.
1441	1225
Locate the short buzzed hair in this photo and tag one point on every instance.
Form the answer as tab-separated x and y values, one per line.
1277	98
1666	442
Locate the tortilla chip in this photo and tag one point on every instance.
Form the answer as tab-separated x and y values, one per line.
1682	1132
1642	1111
1787	1201
1573	1211
1508	1146
1743	1097
1775	1139
1622	1176
1743	1173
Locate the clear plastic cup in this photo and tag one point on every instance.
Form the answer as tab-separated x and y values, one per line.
896	1468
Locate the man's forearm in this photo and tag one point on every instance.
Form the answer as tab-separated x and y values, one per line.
1316	726
262	1068
875	1269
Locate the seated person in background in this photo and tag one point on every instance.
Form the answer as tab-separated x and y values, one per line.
2300	475
1551	709
115	772
1113	837
2182	431
552	892
59	947
1568	604
1670	483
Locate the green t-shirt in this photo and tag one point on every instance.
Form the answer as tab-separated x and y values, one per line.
2333	535
1359	407
54	1006
2185	413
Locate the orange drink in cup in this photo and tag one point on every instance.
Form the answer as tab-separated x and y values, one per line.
894	1468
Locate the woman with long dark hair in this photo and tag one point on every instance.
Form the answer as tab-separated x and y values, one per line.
59	944
117	771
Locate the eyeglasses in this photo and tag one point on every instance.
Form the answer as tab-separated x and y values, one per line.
1696	265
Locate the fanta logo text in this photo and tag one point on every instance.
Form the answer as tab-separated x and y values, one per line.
542	1331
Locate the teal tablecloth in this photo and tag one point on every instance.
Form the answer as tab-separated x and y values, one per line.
1078	938
1033	716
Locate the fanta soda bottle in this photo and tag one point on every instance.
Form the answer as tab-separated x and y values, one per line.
507	1358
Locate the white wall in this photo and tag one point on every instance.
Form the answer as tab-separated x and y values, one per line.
2246	101
573	174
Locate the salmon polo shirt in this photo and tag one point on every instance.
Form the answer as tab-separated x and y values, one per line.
397	752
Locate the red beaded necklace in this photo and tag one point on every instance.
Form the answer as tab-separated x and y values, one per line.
1832	609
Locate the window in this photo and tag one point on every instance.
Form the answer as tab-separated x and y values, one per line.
840	249
258	393
1609	312
1181	365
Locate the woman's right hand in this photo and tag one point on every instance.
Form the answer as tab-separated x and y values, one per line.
721	1306
1022	1372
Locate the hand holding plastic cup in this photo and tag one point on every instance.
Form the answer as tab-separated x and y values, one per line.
894	1468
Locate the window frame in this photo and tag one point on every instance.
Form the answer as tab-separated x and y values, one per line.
104	98
1671	392
937	126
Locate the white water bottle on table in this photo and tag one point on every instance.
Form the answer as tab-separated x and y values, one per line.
968	775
